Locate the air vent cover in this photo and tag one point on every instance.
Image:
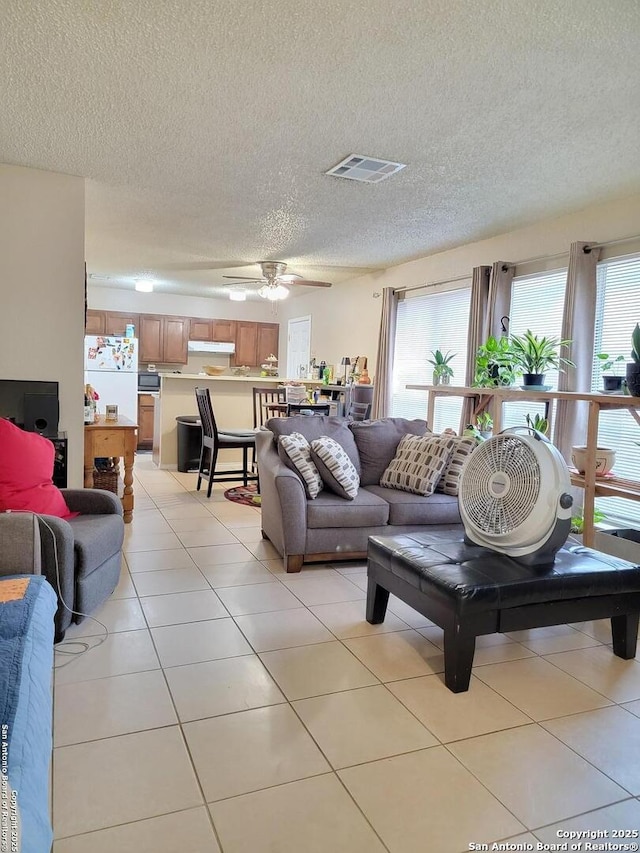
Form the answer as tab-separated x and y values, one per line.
371	170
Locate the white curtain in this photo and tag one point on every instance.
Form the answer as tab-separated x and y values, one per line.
502	274
578	326
381	406
478	324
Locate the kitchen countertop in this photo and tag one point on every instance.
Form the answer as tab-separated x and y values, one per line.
276	380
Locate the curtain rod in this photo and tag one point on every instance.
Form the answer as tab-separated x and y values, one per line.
431	284
591	246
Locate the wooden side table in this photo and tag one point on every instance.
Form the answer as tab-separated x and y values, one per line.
112	438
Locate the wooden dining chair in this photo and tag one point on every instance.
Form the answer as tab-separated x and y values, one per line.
214	440
359	411
268	403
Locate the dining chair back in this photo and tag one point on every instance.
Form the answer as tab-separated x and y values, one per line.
268	403
359	411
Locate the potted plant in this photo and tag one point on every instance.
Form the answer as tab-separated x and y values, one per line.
484	423
534	355
495	364
611	381
633	367
442	370
539	423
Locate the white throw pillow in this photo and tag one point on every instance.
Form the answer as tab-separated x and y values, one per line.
298	451
336	469
418	464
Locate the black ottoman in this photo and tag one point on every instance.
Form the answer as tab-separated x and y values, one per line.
469	591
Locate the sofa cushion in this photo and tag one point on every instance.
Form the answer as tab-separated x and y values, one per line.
377	442
336	469
406	508
295	452
418	464
450	480
318	425
96	538
365	510
26	469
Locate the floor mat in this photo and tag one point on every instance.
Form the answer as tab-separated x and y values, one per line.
247	495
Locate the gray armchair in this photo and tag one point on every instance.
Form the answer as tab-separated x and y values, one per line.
80	557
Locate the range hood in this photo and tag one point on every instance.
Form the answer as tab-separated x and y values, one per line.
212	346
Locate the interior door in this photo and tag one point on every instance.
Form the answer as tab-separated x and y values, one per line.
298	347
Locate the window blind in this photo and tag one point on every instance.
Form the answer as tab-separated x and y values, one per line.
425	323
537	303
617	312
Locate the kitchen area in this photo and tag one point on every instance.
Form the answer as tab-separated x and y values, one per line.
166	361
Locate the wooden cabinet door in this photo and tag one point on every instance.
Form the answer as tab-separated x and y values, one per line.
200	330
268	335
117	322
96	322
145	421
176	338
223	330
246	344
151	338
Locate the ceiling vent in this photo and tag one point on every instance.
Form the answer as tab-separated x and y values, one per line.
371	170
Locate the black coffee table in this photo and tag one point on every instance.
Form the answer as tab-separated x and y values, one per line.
469	591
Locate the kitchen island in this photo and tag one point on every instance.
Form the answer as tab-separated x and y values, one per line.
232	400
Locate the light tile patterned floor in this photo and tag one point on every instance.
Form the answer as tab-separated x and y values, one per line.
237	709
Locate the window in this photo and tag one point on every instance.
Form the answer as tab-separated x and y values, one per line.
537	303
437	320
617	312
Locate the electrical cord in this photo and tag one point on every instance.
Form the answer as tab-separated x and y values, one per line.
64	647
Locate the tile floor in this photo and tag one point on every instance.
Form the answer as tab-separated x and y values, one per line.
236	708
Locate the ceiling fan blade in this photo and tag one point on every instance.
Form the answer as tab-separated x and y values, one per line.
242	278
308	283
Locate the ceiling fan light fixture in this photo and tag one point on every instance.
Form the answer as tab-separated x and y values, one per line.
273	292
238	295
144	285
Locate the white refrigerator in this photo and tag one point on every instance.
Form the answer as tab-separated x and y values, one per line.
111	367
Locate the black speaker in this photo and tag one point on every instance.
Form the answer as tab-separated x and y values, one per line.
41	414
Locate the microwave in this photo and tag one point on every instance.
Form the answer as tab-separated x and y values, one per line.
148	381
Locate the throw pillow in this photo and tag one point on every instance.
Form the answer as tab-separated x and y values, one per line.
450	480
312	428
298	457
418	464
26	469
336	469
377	442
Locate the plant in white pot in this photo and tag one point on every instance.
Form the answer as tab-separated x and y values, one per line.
484	423
534	355
442	370
633	367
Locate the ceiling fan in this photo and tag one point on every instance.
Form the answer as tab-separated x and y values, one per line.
274	278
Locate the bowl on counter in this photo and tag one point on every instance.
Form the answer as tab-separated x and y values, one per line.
243	370
213	371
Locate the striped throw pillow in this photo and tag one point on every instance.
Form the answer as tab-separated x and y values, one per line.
336	469
450	480
418	464
298	451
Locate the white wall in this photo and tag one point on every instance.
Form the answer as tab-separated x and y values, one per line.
346	318
42	290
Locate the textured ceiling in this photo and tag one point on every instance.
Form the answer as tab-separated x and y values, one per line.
205	128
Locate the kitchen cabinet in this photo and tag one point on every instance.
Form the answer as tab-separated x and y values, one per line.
163	339
200	330
145	421
116	322
96	322
267	344
255	342
223	331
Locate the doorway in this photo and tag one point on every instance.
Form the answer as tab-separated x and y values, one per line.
298	347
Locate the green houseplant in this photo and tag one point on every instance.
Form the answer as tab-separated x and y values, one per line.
484	423
633	367
610	379
539	423
495	363
534	355
442	370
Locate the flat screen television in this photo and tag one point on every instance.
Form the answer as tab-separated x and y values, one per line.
30	404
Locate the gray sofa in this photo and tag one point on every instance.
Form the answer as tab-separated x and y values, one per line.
330	527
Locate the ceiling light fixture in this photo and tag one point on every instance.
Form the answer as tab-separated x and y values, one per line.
238	295
273	292
144	285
